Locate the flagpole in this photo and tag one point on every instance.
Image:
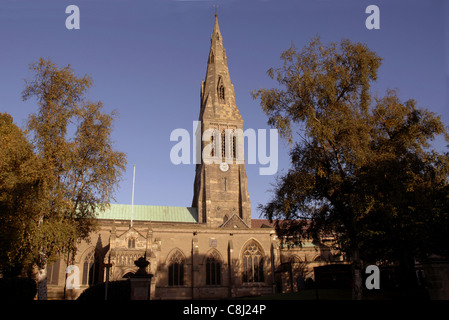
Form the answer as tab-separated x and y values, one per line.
132	200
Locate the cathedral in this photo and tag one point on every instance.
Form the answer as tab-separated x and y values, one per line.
211	250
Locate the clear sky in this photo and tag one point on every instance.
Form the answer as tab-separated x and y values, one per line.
147	60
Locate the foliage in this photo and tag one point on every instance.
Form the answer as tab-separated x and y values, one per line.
18	190
361	167
73	170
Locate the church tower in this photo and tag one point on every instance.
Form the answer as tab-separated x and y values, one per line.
220	188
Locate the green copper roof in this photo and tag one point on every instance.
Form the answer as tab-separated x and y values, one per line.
149	213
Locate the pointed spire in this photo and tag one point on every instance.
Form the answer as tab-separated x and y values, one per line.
216	31
217	89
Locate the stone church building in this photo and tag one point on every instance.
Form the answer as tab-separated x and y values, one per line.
211	250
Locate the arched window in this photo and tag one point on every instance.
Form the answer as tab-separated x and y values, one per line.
176	270
213	269
253	263
91	268
131	243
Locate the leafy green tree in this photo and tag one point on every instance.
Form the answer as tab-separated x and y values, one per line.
79	170
341	140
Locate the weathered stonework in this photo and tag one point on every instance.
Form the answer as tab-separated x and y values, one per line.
223	254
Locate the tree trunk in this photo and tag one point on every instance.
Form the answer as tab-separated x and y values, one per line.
39	274
357	281
42	283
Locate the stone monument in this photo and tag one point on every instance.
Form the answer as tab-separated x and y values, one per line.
140	282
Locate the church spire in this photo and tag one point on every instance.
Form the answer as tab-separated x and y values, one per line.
220	188
217	91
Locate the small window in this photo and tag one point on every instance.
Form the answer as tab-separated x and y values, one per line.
223	144
131	243
220	90
221	93
234	147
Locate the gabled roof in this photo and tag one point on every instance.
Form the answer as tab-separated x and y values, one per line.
234	222
150	213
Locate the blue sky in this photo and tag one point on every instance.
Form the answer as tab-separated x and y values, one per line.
148	58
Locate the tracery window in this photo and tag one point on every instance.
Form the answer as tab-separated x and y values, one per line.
253	263
91	268
213	269
176	270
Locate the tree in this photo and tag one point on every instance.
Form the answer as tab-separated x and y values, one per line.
409	182
345	139
18	190
79	171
